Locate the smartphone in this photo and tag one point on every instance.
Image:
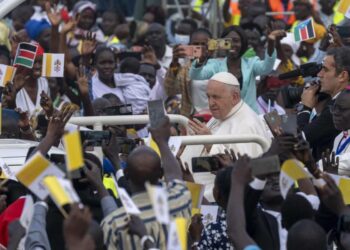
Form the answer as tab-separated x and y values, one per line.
94	138
118	110
265	165
273	120
125	54
192	51
156	112
126	145
220	44
205	164
289	124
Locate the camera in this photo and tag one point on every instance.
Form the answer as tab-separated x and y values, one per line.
305	70
220	44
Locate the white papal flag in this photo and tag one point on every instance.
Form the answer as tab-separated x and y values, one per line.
159	199
53	65
291	171
6	74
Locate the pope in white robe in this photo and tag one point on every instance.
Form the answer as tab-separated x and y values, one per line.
231	116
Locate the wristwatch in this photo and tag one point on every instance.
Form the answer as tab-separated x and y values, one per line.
301	107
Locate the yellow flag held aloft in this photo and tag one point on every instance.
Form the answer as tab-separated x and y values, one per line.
197	193
33	173
61	190
6	74
74	151
291	171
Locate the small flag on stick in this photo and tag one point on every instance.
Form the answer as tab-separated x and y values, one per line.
6	74
304	30
74	151
53	65
25	55
34	171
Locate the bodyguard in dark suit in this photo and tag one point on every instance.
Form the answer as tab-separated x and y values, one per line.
334	75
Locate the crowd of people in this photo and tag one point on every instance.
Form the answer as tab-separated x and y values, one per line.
120	55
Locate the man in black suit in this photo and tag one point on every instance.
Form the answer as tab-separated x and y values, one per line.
334	77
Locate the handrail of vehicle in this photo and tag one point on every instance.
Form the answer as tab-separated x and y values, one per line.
99	121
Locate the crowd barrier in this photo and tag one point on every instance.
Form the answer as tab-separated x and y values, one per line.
99	121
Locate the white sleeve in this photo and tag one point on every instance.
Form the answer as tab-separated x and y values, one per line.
312	199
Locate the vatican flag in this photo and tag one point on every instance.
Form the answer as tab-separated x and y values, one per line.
6	74
177	236
53	65
291	171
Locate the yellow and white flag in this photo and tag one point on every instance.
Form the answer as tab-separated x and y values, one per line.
34	171
177	236
53	65
6	171
291	171
342	182
159	199
197	193
74	150
61	190
6	74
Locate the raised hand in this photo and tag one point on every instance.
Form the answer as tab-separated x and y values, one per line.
330	163
69	26
149	55
76	228
54	14
46	104
277	35
82	81
331	196
89	44
161	134
199	128
9	96
57	123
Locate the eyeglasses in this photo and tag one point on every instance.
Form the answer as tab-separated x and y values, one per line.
337	109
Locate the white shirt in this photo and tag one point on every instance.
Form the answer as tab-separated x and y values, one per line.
242	120
264	108
99	89
25	103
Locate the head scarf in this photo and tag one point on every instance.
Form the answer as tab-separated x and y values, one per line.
80	6
290	41
34	28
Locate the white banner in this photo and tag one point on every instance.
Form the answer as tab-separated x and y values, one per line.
7	6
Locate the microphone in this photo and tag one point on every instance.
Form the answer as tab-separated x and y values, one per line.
305	70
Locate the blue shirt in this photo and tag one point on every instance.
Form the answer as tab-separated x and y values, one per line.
250	67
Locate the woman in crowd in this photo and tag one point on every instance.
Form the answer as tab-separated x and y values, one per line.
244	69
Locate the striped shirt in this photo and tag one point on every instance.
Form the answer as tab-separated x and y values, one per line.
115	228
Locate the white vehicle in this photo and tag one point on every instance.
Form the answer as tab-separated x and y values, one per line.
14	152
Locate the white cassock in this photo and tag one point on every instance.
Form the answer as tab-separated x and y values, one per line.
341	147
242	120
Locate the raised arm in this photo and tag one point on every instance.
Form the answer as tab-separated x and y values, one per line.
236	224
161	135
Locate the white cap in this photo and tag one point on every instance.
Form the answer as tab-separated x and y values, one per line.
226	78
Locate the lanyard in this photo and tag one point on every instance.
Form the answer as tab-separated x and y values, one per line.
342	146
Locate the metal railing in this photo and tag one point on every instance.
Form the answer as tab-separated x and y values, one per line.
99	121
